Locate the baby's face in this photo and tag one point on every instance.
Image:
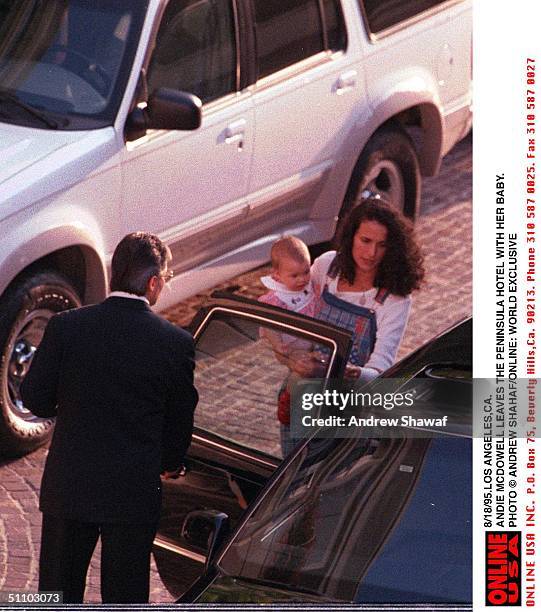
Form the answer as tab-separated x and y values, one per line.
293	274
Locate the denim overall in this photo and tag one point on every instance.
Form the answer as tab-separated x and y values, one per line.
358	320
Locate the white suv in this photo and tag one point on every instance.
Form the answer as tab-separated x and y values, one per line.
218	124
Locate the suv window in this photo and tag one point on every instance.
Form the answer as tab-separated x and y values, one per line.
288	31
383	14
196	49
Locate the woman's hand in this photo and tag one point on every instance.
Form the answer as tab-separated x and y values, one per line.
353	372
174	474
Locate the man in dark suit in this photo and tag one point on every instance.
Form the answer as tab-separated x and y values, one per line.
119	380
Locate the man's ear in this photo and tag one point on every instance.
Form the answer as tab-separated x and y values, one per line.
151	284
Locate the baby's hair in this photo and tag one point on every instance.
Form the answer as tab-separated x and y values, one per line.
289	246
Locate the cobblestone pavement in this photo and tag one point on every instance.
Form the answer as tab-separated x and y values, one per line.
444	230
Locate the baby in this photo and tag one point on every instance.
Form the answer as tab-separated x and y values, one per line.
289	282
290	288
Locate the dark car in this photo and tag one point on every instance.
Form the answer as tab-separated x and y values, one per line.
365	519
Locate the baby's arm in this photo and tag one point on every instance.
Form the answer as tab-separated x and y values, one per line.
274	338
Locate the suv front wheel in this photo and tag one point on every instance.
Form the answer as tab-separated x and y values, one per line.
25	311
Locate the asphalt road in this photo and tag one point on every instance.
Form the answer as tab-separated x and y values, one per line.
445	233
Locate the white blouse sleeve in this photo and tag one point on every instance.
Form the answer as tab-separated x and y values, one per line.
391	322
320	267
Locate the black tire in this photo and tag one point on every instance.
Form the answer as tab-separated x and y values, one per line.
389	166
24	311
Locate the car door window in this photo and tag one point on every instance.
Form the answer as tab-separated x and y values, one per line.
196	49
307	519
242	365
287	31
383	14
324	526
335	27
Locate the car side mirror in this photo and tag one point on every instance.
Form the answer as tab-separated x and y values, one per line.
207	530
167	109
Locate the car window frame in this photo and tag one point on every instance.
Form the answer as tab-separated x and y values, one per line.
281	320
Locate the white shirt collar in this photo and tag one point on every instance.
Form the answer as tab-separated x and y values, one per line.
131	296
275	285
295	300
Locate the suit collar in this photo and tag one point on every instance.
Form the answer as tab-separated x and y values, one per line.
127	303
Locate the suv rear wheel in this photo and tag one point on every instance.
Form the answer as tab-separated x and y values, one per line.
388	166
25	310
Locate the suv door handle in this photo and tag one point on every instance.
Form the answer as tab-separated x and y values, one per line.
234	132
346	81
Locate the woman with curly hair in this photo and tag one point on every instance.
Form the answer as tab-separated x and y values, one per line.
365	285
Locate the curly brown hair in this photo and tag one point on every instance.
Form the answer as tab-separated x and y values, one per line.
401	270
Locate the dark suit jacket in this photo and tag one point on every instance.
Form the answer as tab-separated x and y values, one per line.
119	379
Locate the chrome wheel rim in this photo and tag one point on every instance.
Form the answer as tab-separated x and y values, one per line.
386	180
25	339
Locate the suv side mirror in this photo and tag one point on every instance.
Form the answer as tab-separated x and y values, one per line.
167	109
206	529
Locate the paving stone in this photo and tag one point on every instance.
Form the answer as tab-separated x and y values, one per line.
23	495
13	584
18	563
7	511
15	486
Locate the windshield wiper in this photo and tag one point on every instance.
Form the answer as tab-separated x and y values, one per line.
8	97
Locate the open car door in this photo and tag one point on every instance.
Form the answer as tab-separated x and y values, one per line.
245	351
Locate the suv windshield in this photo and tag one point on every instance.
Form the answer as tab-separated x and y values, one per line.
64	63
